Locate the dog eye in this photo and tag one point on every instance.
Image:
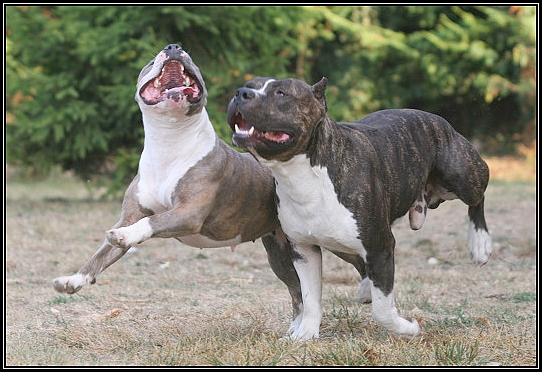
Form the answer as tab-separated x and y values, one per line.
280	93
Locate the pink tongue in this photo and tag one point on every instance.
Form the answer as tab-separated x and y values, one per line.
277	136
150	93
188	90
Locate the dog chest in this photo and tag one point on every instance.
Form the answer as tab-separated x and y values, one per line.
159	176
309	210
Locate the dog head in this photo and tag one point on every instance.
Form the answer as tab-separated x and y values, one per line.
171	81
274	119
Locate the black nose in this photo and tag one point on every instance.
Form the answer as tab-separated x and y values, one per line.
173	47
244	93
173	50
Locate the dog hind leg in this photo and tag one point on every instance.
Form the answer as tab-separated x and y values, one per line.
468	175
478	239
364	292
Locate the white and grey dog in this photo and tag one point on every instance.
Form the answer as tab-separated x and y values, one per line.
191	185
340	186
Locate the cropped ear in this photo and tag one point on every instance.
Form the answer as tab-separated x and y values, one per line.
319	90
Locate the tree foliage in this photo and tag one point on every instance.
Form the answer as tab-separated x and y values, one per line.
71	70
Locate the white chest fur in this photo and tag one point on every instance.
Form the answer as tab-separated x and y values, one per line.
171	149
309	210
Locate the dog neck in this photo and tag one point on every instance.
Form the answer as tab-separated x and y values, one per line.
175	146
172	136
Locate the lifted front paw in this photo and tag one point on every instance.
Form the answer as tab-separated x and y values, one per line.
69	284
116	238
127	236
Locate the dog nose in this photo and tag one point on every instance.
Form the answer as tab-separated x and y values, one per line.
173	47
173	50
244	94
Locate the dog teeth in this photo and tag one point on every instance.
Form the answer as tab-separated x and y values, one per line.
239	130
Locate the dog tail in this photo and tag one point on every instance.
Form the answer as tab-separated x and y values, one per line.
478	238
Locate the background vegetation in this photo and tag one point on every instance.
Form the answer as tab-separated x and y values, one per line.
71	71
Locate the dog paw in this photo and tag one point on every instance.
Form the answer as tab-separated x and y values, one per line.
364	292
295	324
69	284
305	331
298	338
304	336
117	238
479	243
413	332
290	338
408	328
128	236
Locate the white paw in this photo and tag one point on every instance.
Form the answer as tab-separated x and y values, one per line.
364	292
295	323
125	237
119	238
408	329
70	284
306	330
479	243
385	313
400	326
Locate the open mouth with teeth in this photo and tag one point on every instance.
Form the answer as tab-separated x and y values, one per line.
174	82
243	130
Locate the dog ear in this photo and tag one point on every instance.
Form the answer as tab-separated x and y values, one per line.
319	91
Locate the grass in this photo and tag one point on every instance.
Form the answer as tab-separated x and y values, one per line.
173	305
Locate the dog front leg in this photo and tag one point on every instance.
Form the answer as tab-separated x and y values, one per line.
102	259
178	222
280	257
127	236
107	254
308	265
